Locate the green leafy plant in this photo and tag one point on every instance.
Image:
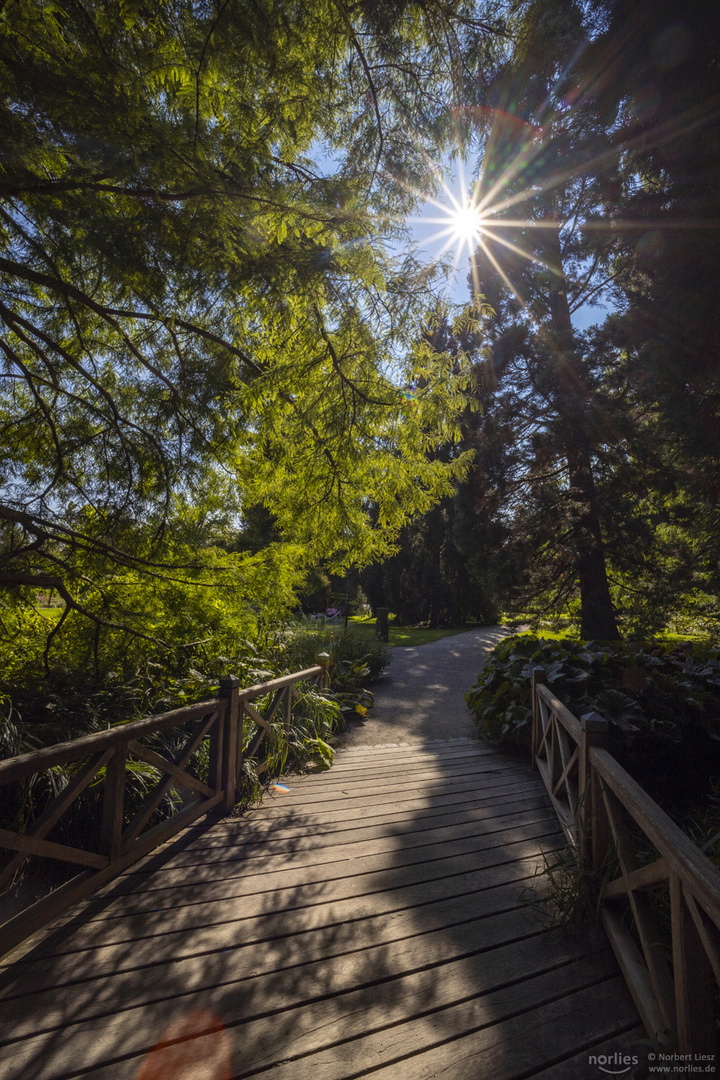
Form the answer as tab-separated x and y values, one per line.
662	704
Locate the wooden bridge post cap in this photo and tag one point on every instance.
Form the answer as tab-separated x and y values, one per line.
323	659
594	723
229	682
538	674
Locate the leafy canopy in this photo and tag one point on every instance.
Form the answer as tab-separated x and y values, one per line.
195	316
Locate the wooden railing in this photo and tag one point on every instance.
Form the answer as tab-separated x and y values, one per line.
212	749
609	818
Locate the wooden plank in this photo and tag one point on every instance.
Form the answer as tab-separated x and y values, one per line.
340	846
423	752
563	780
366	989
28	922
261	689
629	1043
514	1031
466	779
407	830
709	935
153	800
564	816
326	787
367	871
694	999
258	982
231	740
568	720
635	973
257	717
269	819
278	938
253	826
644	877
338	1024
286	824
113	801
158	935
275	705
420	771
644	917
164	765
545	729
163	896
405	757
42	825
374	797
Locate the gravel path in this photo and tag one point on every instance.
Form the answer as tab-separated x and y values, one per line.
421	697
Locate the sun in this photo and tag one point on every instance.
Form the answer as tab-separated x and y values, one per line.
460	217
466	223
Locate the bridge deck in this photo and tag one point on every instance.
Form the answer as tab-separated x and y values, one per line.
368	922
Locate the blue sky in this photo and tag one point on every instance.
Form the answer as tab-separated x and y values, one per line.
424	229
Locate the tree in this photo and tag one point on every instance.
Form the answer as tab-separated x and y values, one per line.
599	180
548	164
667	89
195	317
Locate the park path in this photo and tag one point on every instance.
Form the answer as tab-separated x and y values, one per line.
421	697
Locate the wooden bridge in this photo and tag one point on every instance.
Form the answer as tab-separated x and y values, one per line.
371	921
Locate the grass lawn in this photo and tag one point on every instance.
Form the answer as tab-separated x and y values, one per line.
402	636
50	612
514	622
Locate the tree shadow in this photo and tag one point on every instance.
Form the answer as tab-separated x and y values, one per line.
371	920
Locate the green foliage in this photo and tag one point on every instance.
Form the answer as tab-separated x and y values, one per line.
62	706
639	689
355	660
198	317
402	636
662	704
565	893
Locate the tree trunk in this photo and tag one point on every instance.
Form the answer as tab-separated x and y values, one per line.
597	618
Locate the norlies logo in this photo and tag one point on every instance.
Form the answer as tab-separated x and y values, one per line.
604	1061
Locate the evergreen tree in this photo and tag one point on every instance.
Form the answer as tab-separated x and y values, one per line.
196	317
547	166
599	180
667	83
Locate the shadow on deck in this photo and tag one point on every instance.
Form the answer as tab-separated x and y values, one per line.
370	922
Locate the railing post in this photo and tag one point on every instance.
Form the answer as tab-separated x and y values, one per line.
231	739
113	802
215	769
591	826
323	660
692	977
538	677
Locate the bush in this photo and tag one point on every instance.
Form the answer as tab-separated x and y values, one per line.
354	658
662	704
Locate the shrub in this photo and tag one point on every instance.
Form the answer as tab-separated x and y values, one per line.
662	704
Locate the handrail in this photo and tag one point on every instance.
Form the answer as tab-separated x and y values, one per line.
64	753
600	806
103	757
683	857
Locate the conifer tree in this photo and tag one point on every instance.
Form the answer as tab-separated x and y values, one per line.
548	166
198	311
